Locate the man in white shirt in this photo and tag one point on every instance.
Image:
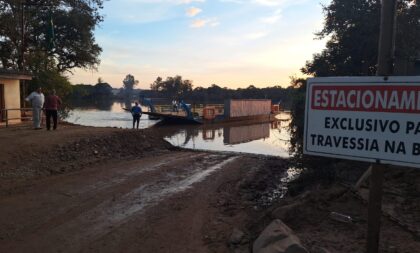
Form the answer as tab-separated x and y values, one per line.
37	100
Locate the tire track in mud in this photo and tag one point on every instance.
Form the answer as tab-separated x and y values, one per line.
66	197
137	190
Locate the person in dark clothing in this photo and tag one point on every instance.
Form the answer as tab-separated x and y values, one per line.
136	112
52	102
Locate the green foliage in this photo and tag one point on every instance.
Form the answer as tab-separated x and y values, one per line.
172	86
74	22
314	169
128	84
102	90
297	120
82	91
49	80
98	91
217	94
353	31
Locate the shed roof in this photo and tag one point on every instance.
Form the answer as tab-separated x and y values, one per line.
15	74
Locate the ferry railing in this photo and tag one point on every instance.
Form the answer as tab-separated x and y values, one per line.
25	115
195	108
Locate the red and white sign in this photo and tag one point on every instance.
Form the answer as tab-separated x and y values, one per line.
364	118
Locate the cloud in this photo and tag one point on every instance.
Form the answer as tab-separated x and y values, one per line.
193	11
272	19
232	1
190	1
162	1
269	2
199	23
256	35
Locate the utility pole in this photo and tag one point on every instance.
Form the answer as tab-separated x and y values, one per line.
21	60
386	50
385	68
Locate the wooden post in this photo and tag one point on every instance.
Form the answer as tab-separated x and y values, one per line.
385	68
7	117
387	38
375	208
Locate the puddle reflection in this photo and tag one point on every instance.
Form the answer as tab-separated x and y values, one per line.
262	138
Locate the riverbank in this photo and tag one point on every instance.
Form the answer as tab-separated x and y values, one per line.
84	189
32	154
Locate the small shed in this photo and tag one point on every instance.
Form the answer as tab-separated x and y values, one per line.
10	94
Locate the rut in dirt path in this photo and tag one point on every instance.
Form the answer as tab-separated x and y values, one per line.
71	214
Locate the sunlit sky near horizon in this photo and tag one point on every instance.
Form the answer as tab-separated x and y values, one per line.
232	43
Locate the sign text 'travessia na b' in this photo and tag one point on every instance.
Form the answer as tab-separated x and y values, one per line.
364	118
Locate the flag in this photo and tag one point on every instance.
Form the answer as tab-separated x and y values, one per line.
50	33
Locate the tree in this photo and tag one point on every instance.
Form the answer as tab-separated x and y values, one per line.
353	31
102	90
73	21
128	84
82	91
172	86
157	84
49	80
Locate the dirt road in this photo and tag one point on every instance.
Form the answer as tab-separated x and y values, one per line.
147	198
103	208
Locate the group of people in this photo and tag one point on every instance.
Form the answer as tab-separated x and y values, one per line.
50	104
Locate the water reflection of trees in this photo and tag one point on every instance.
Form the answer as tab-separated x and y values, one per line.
231	134
98	104
190	133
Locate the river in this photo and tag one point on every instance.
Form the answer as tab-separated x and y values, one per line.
263	138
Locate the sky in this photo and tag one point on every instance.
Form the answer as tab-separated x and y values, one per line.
231	43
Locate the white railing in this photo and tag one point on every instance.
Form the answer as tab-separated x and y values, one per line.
25	115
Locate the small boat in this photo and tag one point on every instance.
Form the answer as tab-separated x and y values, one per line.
173	118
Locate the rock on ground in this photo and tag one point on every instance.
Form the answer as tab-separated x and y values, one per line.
278	238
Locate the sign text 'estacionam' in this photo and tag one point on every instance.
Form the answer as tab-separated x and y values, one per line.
364	118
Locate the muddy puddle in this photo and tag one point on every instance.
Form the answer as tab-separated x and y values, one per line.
278	190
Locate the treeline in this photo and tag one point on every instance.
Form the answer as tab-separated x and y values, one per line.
103	90
179	89
87	91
